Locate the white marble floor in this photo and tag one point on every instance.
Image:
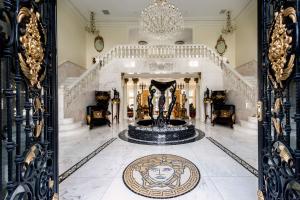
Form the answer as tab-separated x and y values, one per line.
244	145
101	178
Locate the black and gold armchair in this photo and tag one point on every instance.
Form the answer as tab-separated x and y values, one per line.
98	114
222	113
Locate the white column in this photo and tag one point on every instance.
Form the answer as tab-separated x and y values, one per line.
197	94
61	102
125	98
187	91
135	90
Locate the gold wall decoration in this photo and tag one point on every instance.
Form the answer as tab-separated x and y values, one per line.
31	41
281	43
221	46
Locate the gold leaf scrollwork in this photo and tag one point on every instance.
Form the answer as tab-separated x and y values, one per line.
31	156
260	195
38	109
32	57
281	43
283	152
55	196
277	125
278	105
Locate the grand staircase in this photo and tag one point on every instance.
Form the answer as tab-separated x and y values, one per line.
248	72
68	127
249	126
241	80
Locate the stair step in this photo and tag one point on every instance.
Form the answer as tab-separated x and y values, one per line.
251	79
252	119
244	130
68	133
68	127
66	121
249	124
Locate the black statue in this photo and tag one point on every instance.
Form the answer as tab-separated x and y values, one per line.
162	130
162	87
206	94
116	94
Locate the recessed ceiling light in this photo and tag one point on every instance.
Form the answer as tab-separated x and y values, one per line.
130	64
106	12
194	63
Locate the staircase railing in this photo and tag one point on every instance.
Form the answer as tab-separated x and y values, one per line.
235	81
153	51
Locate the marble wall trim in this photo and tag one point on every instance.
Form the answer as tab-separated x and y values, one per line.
242	162
83	161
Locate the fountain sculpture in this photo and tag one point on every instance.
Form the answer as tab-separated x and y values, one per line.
162	129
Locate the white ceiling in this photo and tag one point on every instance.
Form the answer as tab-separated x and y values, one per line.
129	10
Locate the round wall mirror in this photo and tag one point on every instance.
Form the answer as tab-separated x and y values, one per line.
99	43
221	46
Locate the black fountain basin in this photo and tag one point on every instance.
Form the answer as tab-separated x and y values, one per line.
175	130
173	122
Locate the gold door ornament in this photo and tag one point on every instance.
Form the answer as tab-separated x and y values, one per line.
31	39
282	61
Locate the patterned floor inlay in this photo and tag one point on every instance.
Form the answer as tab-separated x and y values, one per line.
242	162
124	136
161	176
83	161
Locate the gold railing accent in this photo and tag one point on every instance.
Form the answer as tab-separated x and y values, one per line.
260	195
55	196
281	43
31	42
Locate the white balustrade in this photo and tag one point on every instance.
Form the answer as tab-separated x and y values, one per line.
91	76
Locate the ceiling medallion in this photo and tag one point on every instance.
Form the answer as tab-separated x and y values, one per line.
282	61
161	176
32	56
161	19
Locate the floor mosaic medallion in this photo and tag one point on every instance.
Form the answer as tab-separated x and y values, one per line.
161	176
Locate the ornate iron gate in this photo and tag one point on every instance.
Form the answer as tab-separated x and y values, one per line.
279	99
28	118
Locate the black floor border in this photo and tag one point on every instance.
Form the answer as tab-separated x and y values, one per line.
83	161
239	160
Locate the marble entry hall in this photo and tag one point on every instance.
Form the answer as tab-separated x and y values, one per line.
100	175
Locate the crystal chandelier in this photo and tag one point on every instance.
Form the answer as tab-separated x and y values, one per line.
92	28
229	28
161	19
